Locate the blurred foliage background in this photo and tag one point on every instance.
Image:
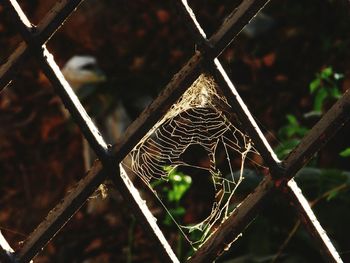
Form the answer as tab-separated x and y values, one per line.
288	74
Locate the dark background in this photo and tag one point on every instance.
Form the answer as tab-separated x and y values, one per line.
140	45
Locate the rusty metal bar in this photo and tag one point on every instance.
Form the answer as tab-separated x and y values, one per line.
229	230
234	23
45	29
325	245
190	21
247	119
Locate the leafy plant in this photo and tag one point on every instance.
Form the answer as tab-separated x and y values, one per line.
345	152
173	190
290	136
321	185
178	185
325	86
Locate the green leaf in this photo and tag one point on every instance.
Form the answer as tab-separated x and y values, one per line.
292	119
314	85
286	147
345	153
326	73
332	195
179	184
320	97
177	192
292	129
335	93
302	131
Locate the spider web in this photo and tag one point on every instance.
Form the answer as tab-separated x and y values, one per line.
200	117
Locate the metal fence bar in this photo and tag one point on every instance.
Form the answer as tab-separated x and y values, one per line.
234	23
325	245
156	110
45	29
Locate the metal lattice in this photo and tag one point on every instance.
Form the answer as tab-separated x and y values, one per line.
279	174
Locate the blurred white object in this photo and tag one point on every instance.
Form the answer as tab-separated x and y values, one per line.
82	70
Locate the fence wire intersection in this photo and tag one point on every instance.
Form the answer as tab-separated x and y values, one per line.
279	175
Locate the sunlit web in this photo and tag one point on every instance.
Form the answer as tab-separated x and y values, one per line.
200	117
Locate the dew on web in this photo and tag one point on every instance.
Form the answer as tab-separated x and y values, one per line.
199	141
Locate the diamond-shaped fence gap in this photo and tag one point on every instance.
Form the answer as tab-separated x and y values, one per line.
197	147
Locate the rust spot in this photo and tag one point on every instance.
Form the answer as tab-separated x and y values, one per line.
280	183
